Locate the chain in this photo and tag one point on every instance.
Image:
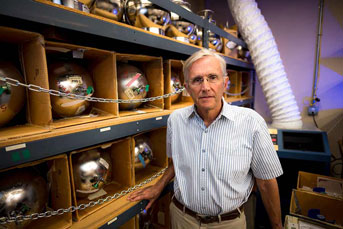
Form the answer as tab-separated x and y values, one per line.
37	88
61	211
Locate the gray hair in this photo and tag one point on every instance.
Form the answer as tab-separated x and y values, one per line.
198	55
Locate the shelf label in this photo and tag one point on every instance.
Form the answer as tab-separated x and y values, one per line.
15	147
112	220
105	129
158	118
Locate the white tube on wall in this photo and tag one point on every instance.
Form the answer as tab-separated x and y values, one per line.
268	65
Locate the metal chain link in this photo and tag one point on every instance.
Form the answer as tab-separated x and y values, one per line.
61	211
37	88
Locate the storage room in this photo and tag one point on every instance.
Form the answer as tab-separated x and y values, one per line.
175	114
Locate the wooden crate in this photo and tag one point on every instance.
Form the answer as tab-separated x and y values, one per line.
121	175
157	144
235	89
101	66
152	68
227	44
309	180
24	50
56	170
331	208
183	99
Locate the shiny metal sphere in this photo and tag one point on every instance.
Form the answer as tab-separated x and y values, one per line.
181	24
155	14
113	9
175	85
132	84
243	53
72	78
91	170
143	152
22	192
215	42
12	98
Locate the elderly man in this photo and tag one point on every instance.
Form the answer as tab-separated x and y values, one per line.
218	152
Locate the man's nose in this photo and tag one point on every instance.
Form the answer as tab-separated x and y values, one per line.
205	85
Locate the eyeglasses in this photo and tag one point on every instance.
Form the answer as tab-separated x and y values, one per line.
198	80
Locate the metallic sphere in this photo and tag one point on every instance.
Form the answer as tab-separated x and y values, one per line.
22	192
175	85
132	84
143	152
12	98
91	170
72	78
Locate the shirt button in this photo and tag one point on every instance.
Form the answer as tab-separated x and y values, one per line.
203	151
203	169
202	189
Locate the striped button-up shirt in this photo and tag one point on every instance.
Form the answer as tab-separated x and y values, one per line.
215	165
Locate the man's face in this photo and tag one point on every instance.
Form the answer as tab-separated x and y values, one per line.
206	83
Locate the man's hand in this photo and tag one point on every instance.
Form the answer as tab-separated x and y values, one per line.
150	193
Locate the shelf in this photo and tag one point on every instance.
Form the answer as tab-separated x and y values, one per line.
45	12
244	100
57	141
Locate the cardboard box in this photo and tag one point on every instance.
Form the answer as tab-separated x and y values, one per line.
25	50
331	208
121	176
235	89
246	84
101	66
308	181
228	45
153	70
157	143
293	222
57	171
183	99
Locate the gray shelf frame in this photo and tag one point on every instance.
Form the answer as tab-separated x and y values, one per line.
33	11
47	147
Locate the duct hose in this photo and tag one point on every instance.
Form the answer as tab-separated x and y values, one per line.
268	64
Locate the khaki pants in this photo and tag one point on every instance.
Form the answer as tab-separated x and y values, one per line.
180	220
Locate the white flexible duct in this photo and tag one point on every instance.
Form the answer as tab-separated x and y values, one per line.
269	68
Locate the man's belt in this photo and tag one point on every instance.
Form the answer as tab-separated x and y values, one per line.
208	219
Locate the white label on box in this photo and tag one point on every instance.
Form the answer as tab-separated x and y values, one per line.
104	163
231	44
112	220
98	194
159	118
105	129
14	147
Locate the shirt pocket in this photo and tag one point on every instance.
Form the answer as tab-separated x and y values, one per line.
233	164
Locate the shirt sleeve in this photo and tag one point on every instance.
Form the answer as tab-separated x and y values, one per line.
265	163
169	137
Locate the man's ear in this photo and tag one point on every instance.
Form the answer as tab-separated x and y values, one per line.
226	80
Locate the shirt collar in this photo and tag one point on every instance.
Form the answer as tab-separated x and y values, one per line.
226	111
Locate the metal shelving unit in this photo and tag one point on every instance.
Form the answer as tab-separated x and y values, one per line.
37	13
